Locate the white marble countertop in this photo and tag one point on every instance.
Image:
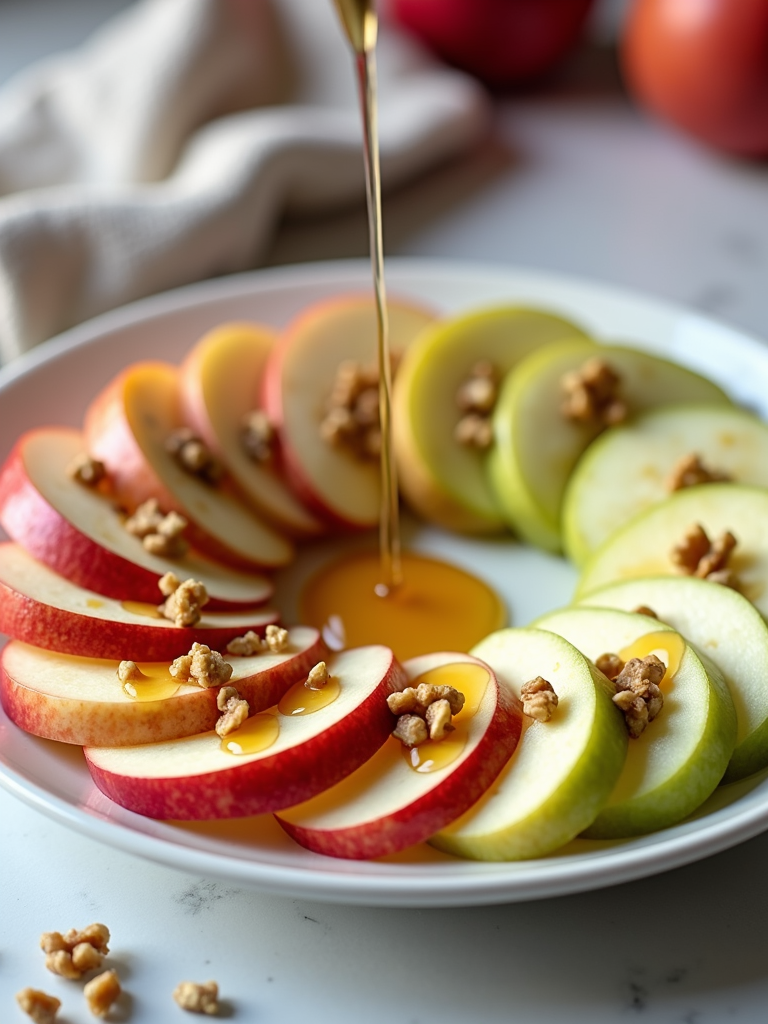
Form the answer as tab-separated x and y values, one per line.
574	180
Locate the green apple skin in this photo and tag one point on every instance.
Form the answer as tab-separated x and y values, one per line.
626	469
563	770
643	546
536	448
730	631
442	480
680	758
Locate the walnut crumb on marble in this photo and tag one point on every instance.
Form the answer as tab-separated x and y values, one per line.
38	1005
102	992
202	666
197	998
75	953
539	699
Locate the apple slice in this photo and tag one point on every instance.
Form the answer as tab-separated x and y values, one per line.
643	547
442	480
127	427
562	771
220	386
401	796
338	486
46	610
730	631
78	532
536	447
679	759
273	760
629	467
80	700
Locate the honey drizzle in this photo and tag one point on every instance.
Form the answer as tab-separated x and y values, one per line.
150	611
257	733
155	683
664	642
301	700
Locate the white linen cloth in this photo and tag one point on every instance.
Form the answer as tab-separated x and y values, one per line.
165	150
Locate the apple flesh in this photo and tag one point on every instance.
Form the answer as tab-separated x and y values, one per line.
443	480
198	778
220	385
627	468
333	483
43	609
386	805
680	757
730	631
562	771
78	532
536	447
127	426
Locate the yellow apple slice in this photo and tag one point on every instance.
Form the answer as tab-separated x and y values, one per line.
127	427
220	386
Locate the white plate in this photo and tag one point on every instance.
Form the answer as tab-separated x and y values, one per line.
53	384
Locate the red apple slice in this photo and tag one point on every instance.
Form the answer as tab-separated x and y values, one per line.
46	610
127	427
220	386
79	533
299	377
80	700
200	778
386	805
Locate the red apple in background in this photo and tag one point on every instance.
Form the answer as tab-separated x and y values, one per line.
704	67
502	42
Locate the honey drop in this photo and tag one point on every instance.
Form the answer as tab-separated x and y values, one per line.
302	700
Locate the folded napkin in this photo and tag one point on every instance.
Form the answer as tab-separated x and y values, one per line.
167	148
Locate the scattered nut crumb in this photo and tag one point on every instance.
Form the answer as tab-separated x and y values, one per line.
102	992
247	645
87	471
184	604
417	703
610	665
476	399
161	534
689	471
74	954
637	692
234	710
193	455
318	677
202	666
257	436
591	394
276	638
539	699
697	555
38	1005
197	998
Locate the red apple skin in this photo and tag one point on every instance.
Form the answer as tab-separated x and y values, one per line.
101	724
48	536
502	42
270	783
421	819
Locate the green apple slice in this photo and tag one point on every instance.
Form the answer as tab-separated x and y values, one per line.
627	468
562	771
730	630
679	759
536	448
442	480
644	546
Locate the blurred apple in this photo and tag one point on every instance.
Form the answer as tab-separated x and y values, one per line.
502	42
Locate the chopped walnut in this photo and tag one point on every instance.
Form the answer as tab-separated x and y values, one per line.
351	418
257	436
276	638
184	604
643	609
202	666
591	394
411	730
38	1005
689	471
87	470
102	992
637	692
539	699
193	455
161	534
127	671
697	555
476	400
61	963
234	710
197	998
247	645
77	952
417	703
438	719
474	431
318	677
610	665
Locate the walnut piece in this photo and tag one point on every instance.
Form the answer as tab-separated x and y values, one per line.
234	710
202	666
160	534
257	436
476	399
197	998
247	645
193	455
184	604
276	639
351	419
591	394
610	665
411	730
539	699
689	471
432	706
128	671
317	677
637	692
697	555
86	470
438	718
102	992
74	954
38	1005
